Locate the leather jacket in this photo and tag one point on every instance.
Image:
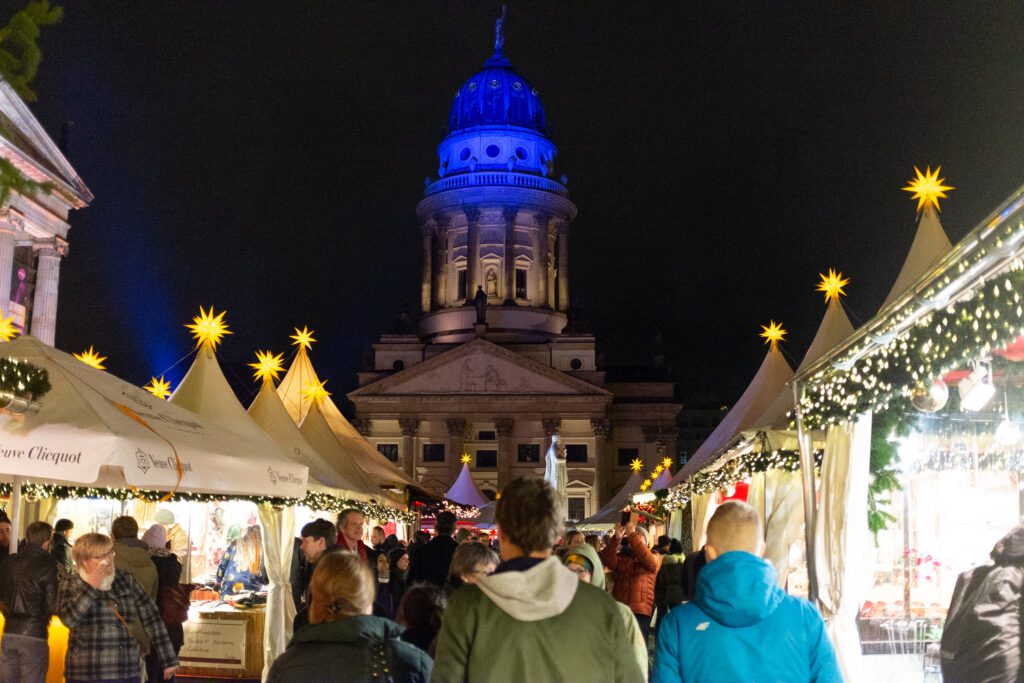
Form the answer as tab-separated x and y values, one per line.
28	591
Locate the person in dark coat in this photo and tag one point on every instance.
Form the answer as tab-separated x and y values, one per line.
317	541
420	612
343	641
391	571
172	596
431	562
981	641
668	586
60	546
694	562
28	598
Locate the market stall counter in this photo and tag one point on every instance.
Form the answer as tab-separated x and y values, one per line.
222	641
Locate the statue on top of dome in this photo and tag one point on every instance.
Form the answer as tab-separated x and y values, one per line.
499	30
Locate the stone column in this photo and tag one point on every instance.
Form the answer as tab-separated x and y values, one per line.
441	223
509	214
456	441
10	225
364	427
551	427
407	450
426	291
44	303
506	456
604	459
472	253
550	263
563	268
539	295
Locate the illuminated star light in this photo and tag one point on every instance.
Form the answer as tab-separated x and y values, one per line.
315	391
208	329
268	365
646	485
666	463
927	188
91	358
658	469
832	284
7	329
161	388
303	338
636	465
773	334
466	458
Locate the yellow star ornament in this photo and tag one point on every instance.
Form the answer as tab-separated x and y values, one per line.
7	329
832	285
91	358
303	338
161	388
772	333
208	329
927	188
666	463
466	458
268	365
636	465
646	485
315	392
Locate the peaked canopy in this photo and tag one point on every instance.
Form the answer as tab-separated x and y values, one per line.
352	444
268	412
770	380
465	492
94	428
929	245
835	327
662	480
612	510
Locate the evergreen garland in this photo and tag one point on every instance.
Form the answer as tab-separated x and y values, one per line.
23	379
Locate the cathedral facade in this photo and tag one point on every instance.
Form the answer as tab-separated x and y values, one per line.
496	367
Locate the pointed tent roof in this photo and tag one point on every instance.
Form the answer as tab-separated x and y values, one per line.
319	435
661	481
929	245
771	378
269	413
612	510
835	327
465	492
117	435
299	376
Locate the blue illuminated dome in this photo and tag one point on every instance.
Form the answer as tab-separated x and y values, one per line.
497	96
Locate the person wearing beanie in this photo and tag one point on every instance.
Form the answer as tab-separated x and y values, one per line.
181	545
172	597
60	545
634	570
132	555
583	561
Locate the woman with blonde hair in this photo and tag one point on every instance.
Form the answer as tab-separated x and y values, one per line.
342	630
241	568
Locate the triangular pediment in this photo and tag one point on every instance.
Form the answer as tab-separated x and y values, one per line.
479	367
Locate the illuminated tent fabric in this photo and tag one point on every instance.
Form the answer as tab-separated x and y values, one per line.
268	412
930	244
486	518
318	434
95	429
661	481
301	375
835	327
464	491
762	391
612	510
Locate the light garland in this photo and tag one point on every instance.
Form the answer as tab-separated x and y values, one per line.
23	379
316	501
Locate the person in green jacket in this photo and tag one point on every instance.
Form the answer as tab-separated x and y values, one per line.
343	642
532	619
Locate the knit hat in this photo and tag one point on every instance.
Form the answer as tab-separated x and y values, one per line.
155	536
587	552
164	517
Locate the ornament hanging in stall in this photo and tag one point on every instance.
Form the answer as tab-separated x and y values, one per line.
931	398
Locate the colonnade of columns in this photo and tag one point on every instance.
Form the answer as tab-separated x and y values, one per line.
49	253
548	281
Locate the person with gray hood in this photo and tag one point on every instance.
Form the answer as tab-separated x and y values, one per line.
525	622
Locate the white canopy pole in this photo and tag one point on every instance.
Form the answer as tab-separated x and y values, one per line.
807	475
16	513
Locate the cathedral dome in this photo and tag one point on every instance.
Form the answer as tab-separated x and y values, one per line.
497	96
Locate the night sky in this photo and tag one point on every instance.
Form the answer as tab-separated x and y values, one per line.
267	159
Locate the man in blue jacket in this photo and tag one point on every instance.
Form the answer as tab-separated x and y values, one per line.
741	626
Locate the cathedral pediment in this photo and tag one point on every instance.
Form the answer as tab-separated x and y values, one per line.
479	367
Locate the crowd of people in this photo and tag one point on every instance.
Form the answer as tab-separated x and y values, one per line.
531	603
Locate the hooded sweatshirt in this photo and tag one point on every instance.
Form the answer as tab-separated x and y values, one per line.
529	626
132	555
742	627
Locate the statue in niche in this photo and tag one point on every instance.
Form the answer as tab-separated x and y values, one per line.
491	283
555	472
480	302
